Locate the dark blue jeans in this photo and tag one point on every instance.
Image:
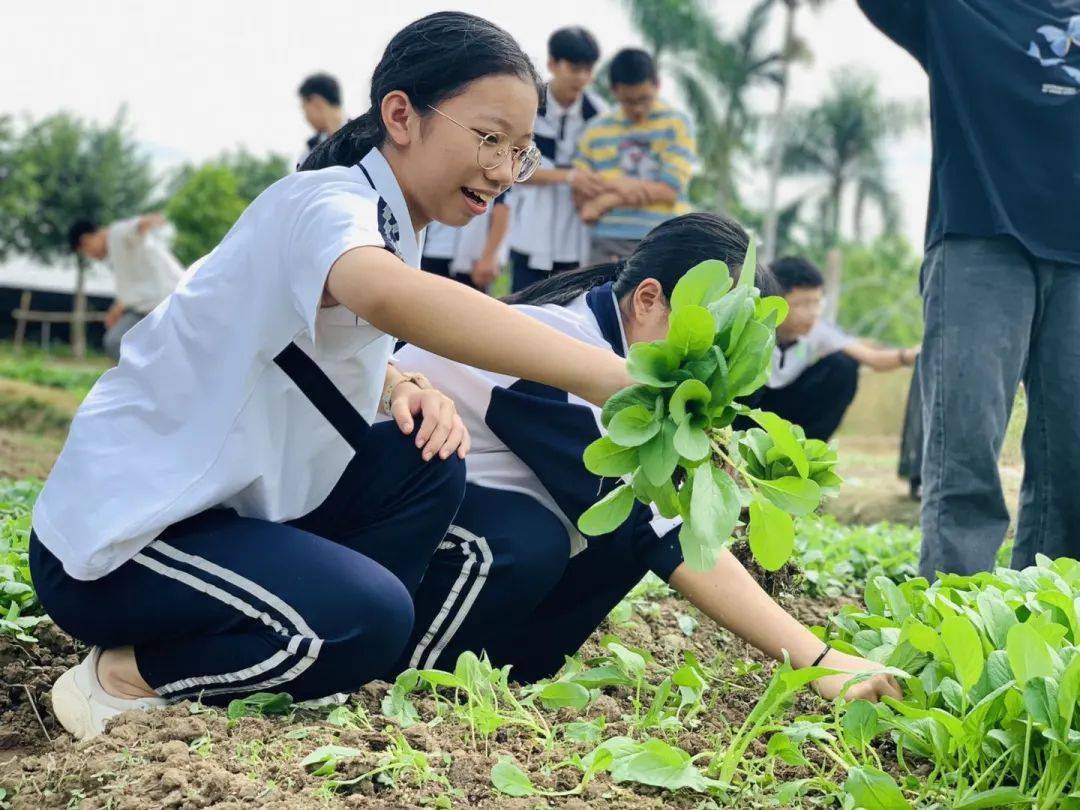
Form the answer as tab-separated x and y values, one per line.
220	606
996	316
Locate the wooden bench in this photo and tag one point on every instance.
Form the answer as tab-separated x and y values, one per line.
24	315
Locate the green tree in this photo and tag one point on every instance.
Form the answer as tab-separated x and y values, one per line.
253	174
841	142
203	209
61	169
716	81
792	50
880	298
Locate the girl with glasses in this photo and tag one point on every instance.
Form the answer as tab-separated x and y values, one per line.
226	517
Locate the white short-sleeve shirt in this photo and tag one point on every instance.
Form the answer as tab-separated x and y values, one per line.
145	271
238	390
791	361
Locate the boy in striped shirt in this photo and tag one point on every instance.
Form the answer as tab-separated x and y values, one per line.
633	166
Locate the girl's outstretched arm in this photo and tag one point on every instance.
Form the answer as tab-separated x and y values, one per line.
732	598
452	320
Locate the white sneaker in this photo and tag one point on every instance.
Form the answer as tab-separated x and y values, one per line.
82	705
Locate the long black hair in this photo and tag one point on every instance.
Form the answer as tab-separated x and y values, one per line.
430	60
665	254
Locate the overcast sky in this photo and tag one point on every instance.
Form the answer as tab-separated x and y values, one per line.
202	76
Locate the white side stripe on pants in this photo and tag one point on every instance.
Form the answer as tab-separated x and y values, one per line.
303	631
469	542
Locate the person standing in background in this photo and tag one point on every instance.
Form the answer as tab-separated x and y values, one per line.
633	166
1001	276
144	269
473	254
546	234
320	99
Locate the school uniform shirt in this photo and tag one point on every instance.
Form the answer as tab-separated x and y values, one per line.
659	149
527	437
1005	115
464	245
789	362
545	225
144	269
238	390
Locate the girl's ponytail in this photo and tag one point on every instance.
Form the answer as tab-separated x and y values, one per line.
562	288
349	144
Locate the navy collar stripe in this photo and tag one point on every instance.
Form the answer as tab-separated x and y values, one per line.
601	300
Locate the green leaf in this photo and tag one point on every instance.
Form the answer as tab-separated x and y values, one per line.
327	758
873	789
563	694
1041	701
1069	692
859	724
609	460
665	496
780	745
962	642
660	764
998	618
633	426
701	285
652	364
799	496
659	457
691	441
689	398
714	511
1029	654
608	513
631	395
784	440
750	359
772	535
748	273
993	798
690	331
508	778
771	311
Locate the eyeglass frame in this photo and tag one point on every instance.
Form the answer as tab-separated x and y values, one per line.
516	152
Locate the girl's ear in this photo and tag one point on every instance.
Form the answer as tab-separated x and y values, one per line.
399	117
648	298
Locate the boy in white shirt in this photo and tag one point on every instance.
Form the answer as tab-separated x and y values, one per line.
815	369
146	272
546	233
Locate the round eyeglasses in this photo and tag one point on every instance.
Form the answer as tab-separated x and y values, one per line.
494	148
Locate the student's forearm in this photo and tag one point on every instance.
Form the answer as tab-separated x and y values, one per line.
733	599
661	193
497	230
459	323
549	177
880	359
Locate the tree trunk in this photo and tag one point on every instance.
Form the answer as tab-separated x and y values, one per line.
78	313
776	154
834	270
836	202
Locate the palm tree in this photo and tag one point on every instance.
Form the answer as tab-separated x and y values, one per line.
716	82
671	26
841	141
792	49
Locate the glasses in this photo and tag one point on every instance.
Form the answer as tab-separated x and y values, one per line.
494	148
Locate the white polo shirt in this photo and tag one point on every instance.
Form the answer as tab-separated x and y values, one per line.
464	245
791	361
145	271
545	225
238	390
